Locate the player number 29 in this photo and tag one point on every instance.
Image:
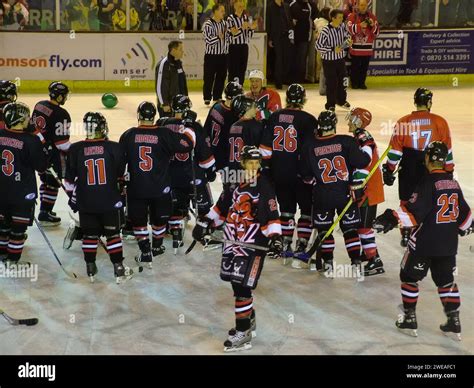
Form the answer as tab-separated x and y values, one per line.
336	165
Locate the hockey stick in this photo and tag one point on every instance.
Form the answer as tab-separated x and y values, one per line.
70	274
193	200
319	240
16	322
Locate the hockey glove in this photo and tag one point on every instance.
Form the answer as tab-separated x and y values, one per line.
189	118
467	231
388	177
211	174
363	137
275	246
385	222
202	229
358	194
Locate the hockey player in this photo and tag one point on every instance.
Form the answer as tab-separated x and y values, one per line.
331	162
438	212
53	121
268	100
252	218
218	123
94	167
148	150
358	119
247	130
411	136
285	133
22	154
188	170
7	94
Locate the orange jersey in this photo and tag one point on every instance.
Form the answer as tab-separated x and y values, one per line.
415	131
374	190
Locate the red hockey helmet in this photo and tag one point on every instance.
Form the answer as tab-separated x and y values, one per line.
360	117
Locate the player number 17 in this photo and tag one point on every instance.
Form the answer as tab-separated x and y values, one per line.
417	135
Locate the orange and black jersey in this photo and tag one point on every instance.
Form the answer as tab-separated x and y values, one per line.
217	125
284	135
438	208
181	170
412	134
93	169
21	154
332	161
253	210
148	150
241	133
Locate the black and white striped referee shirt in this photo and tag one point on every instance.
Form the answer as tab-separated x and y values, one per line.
244	36
329	38
211	30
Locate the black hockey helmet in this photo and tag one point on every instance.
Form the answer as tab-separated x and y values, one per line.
7	91
241	104
295	94
327	121
250	153
181	103
95	125
437	151
232	89
146	111
15	113
58	89
423	96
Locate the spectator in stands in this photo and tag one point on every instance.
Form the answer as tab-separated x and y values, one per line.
448	13
364	29
77	13
424	14
16	15
405	11
105	11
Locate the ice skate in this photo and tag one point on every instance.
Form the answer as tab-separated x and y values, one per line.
287	252
452	327
177	235
47	219
253	326
241	340
328	269
91	269
145	258
158	250
71	235
406	322
300	257
374	267
122	273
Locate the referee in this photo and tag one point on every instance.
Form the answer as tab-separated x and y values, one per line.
241	29
332	41
215	55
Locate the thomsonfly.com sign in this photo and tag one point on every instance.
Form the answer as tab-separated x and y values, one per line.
423	52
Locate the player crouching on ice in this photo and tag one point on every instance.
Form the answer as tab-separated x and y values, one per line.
252	218
371	195
438	212
93	170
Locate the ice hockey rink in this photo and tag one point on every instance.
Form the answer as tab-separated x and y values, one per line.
182	306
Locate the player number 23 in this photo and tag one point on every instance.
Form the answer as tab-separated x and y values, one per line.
449	208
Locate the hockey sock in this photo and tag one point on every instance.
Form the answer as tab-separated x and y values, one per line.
450	297
114	248
410	294
89	247
175	222
243	311
367	239
4	237
327	247
15	245
351	238
158	232
303	228
48	196
287	225
141	234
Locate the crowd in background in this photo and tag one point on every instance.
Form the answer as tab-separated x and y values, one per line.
172	15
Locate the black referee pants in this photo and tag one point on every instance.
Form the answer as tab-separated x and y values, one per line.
215	71
237	62
359	67
336	82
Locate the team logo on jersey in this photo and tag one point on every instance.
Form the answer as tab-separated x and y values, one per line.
166	190
413	198
118	205
30	196
419	267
